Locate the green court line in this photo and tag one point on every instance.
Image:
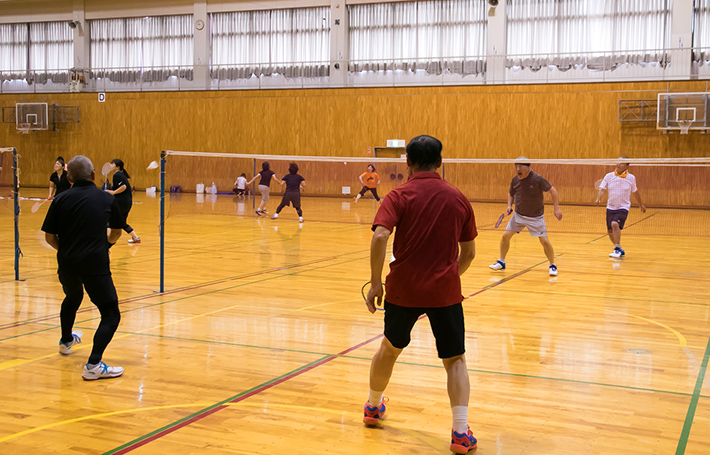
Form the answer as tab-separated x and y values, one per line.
203	284
368	359
527	291
683	441
193	296
209	408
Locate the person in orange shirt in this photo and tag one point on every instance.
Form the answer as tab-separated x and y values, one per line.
369	180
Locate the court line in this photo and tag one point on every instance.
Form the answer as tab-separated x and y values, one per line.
473	370
506	279
605	297
189	288
625	227
145	439
682	342
685	434
199	415
19	362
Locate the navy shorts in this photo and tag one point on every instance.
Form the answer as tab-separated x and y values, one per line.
446	324
616	215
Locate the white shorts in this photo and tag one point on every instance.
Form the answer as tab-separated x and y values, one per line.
536	225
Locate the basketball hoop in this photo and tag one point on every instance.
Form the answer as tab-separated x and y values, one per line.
24	128
684	126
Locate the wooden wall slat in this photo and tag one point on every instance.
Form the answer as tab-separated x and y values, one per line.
538	121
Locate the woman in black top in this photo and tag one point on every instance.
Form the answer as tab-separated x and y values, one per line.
266	176
294	184
58	182
123	193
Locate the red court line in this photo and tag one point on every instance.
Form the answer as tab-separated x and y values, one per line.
141	442
243	397
175	291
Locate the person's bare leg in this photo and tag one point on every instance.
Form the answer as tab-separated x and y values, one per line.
549	251
505	243
615	233
382	365
457	382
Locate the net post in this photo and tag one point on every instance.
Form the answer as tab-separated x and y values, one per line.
16	212
162	221
253	188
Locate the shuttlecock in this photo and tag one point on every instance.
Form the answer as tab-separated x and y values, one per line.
153	165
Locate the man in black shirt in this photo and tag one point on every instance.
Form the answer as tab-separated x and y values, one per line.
76	227
528	190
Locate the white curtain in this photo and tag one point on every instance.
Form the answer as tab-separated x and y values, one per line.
599	34
147	48
36	52
290	42
14	45
701	34
51	51
431	36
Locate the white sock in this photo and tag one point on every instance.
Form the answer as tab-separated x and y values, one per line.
502	260
375	398
460	414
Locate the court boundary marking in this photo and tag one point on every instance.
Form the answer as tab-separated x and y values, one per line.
690	416
174	426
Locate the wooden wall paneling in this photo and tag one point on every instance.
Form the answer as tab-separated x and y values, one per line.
538	121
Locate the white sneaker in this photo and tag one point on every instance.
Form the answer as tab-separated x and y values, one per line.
135	241
300	219
553	270
101	371
499	265
65	349
617	253
275	215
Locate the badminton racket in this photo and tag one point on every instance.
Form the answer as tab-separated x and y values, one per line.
105	169
37	205
598	184
501	217
364	294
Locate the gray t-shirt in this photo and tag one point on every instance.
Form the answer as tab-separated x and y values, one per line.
528	194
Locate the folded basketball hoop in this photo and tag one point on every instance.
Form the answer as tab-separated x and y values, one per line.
24	128
684	126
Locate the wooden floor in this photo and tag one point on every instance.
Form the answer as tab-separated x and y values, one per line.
262	343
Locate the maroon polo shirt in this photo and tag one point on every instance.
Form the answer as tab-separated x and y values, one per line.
431	217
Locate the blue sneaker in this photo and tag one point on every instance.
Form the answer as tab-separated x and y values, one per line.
463	442
100	371
499	265
65	348
553	270
374	414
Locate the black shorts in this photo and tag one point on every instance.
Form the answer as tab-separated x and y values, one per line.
616	215
446	324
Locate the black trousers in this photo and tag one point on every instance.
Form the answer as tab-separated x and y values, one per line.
372	190
291	197
125	210
102	293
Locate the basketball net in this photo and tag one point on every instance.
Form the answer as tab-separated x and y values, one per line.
24	128
684	126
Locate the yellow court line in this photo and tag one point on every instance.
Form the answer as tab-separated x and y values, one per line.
682	342
436	443
20	362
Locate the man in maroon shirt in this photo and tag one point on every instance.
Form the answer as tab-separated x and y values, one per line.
433	247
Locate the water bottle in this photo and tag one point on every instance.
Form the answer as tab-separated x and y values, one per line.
214	188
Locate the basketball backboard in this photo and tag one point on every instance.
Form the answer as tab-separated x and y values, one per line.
683	111
34	114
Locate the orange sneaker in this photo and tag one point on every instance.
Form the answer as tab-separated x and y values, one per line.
374	414
463	442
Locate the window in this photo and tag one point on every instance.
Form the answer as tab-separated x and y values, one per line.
36	51
289	42
431	36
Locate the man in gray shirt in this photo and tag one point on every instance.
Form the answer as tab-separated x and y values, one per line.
528	190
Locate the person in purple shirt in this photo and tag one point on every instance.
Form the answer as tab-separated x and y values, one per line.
294	184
